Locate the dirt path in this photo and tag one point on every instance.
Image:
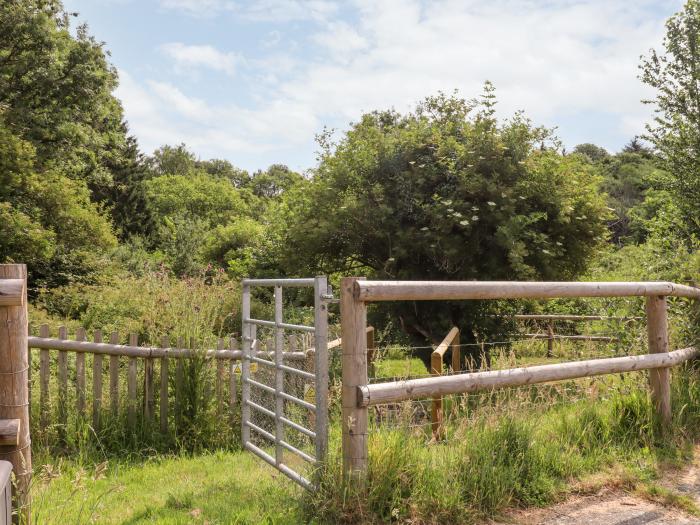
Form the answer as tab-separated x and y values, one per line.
618	507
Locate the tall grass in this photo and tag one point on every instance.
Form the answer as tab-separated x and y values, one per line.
511	454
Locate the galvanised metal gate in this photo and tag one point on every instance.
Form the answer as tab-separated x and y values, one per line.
268	408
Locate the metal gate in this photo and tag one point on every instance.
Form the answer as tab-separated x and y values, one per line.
293	389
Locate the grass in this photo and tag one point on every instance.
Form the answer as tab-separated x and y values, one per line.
509	448
216	488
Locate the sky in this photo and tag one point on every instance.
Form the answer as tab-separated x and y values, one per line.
255	81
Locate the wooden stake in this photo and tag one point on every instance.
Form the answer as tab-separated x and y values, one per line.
660	378
131	385
62	383
164	379
96	382
114	377
44	374
80	375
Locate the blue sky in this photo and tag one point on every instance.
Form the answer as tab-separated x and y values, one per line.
253	82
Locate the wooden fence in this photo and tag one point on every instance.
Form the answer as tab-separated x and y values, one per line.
551	335
149	366
358	394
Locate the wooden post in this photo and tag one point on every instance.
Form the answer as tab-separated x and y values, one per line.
62	385
457	354
353	321
660	378
179	375
14	386
44	373
114	377
80	335
550	338
219	381
164	379
436	409
131	385
96	382
148	400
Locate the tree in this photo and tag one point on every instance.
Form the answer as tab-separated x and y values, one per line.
271	183
592	152
446	192
634	185
675	131
185	209
56	90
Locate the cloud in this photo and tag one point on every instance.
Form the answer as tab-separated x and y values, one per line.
278	11
561	62
201	56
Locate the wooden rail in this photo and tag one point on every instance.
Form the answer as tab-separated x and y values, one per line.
570	317
358	395
395	391
451	340
461	290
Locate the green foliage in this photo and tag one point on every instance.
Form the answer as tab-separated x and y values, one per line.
675	133
635	188
56	89
445	192
592	152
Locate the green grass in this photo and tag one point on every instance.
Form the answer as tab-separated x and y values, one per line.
217	488
401	367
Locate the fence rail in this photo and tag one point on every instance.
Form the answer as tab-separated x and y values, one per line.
392	392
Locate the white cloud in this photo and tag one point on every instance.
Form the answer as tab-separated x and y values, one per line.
201	56
257	10
556	60
202	8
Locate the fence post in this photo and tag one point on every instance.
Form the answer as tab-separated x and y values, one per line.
353	322
14	393
436	409
659	378
550	338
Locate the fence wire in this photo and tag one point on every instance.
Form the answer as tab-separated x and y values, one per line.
461	410
294	385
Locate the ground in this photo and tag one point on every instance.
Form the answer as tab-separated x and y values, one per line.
673	499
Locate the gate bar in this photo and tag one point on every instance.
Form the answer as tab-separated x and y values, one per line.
288	283
284	469
279	377
286	445
284	395
274	324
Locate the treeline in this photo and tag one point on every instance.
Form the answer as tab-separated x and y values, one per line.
446	191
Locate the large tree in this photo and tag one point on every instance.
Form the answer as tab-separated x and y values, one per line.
62	138
446	192
675	74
